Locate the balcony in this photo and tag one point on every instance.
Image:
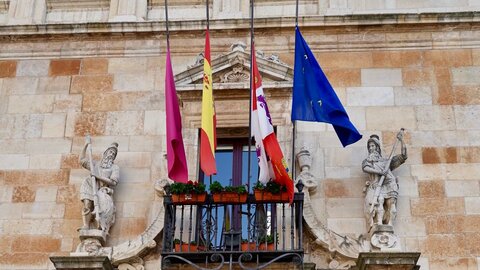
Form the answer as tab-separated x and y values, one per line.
251	233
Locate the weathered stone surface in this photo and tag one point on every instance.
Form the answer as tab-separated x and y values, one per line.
23	194
462	188
127	65
66	103
418	76
381	77
432	155
444	58
435	117
54	125
342	77
81	124
31	104
94	66
154	123
45	161
8	69
466	117
54	85
48	146
370	96
386	118
35	244
439	246
36	177
64	67
437	206
397	58
134	82
43	210
32	67
20	86
472	205
347	225
413	96
443	93
14	161
344	60
431	189
46	194
91	83
124	123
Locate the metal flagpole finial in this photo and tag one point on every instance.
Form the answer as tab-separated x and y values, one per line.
296	13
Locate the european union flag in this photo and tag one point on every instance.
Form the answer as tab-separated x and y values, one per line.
314	98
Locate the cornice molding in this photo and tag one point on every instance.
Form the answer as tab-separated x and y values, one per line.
78	4
239	24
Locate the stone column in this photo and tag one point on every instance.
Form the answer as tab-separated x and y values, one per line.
128	11
27	12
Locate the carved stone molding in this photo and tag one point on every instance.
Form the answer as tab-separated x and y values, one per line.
78	4
4	6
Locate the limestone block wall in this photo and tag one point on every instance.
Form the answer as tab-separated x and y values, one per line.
54	89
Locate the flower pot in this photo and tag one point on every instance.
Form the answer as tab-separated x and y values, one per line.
189	198
229	197
184	248
266	196
269	247
249	246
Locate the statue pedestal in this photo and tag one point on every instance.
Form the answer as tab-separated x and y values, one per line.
81	263
383	238
91	242
388	260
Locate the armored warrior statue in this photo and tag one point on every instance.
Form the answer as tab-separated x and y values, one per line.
96	191
382	187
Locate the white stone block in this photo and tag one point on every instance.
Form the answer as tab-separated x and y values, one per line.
49	146
32	68
12	146
410	227
31	104
472	205
56	85
14	162
370	96
45	162
127	65
135	209
381	77
467	117
413	96
424	264
11	210
134	82
29	227
347	225
403	206
429	171
356	116
462	188
20	86
407	185
308	127
337	172
43	210
54	125
134	159
124	123
154	123
134	192
6	193
67	103
466	76
439	138
345	207
135	175
435	118
390	118
461	171
46	194
144	143
66	245
100	143
77	176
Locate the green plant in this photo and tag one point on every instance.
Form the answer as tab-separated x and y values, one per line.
236	189
216	187
267	238
272	187
187	188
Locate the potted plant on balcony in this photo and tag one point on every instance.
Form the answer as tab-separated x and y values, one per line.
229	194
188	193
271	192
247	245
267	242
181	246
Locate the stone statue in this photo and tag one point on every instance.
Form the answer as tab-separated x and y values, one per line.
304	160
96	191
382	187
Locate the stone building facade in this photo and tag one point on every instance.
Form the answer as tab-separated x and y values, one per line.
72	68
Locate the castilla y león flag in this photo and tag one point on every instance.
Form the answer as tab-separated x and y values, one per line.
208	140
270	157
177	162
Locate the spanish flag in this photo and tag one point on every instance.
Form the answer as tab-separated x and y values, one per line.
208	136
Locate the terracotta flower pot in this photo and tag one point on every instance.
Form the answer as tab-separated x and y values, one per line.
189	198
184	248
248	246
265	196
229	197
261	247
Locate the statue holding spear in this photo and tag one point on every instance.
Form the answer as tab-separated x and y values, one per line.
382	187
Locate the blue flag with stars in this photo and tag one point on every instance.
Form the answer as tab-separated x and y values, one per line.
314	98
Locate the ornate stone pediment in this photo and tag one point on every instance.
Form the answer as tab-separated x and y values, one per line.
232	71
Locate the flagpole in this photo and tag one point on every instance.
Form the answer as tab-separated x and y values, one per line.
294	129
208	28
250	95
166	24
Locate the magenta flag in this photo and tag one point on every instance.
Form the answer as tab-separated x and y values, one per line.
177	162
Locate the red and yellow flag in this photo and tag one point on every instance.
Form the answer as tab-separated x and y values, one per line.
208	136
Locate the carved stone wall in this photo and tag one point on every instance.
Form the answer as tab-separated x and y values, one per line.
417	72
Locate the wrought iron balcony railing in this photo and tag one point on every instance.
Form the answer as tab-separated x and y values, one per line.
252	234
